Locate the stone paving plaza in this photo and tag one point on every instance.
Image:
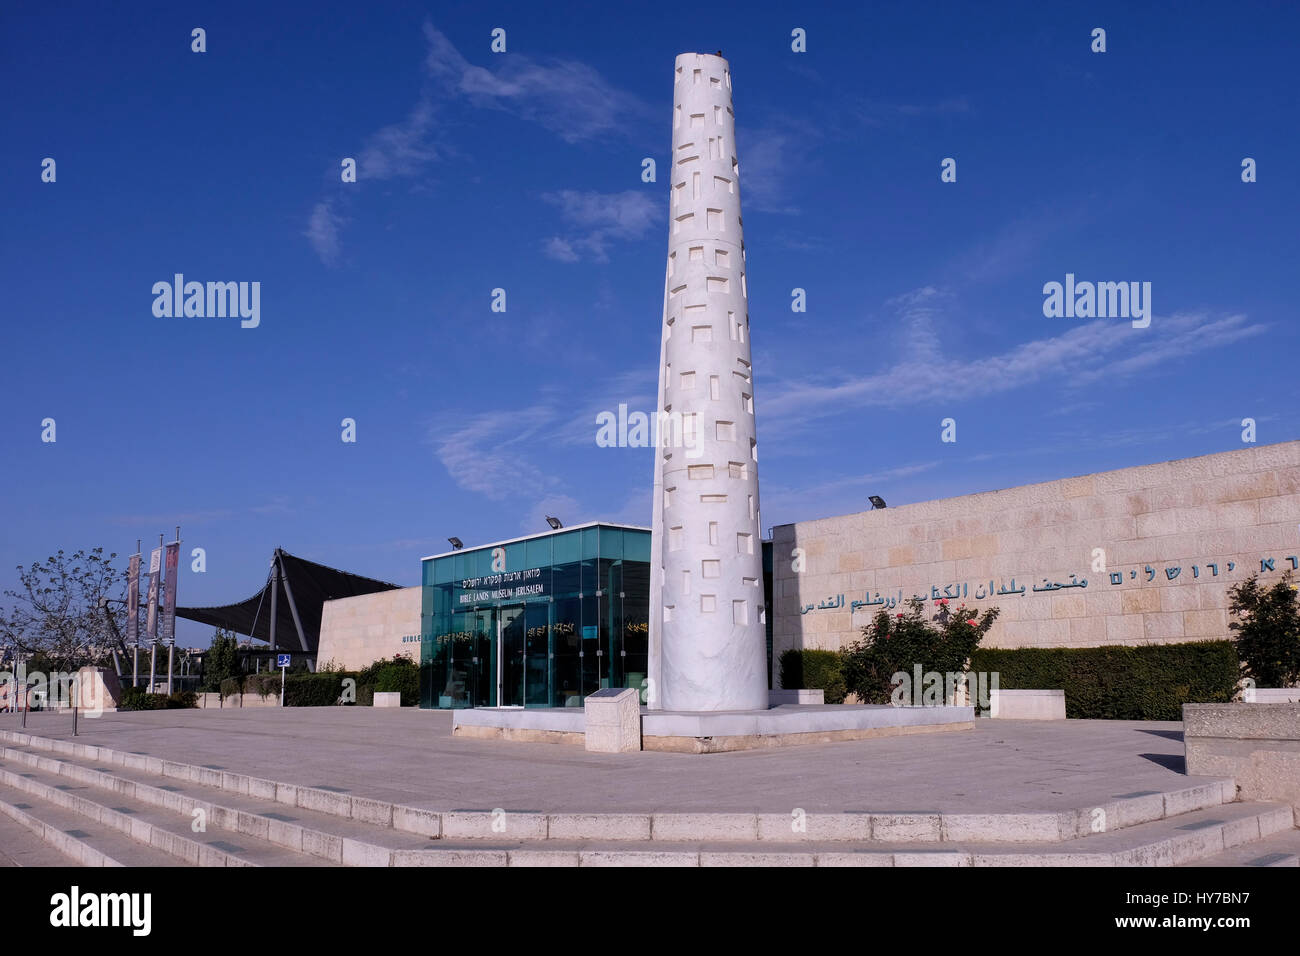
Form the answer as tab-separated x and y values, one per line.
408	756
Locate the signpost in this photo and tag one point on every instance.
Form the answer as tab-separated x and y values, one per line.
282	661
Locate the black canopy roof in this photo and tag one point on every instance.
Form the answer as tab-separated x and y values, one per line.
310	585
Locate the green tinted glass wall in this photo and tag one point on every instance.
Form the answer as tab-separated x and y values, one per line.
568	617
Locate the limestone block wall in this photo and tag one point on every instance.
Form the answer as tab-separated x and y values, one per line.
357	631
1174	537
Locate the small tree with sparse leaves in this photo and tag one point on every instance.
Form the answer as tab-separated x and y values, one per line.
1267	628
55	613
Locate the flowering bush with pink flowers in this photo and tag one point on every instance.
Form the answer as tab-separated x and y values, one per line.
943	642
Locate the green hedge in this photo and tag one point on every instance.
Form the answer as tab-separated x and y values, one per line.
1145	682
399	674
135	698
263	685
811	670
314	690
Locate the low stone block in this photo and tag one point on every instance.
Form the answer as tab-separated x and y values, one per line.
1027	704
704	826
613	721
783	695
439	857
325	801
638	858
327	846
378	812
416	820
543	857
387	698
599	826
725	858
358	853
905	827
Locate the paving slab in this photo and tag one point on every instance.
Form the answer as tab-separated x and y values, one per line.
408	756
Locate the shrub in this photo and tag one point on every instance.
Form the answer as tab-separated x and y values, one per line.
264	685
897	644
314	690
230	687
814	670
1144	682
400	674
135	698
1268	631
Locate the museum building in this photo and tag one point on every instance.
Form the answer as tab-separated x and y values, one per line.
1138	555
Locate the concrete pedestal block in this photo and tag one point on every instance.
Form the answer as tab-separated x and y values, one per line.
388	698
1256	744
1027	704
783	695
1274	695
612	720
98	689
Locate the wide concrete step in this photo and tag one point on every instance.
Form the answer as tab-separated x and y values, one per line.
148	826
168	801
266	832
1187	838
22	844
1279	849
75	839
205	783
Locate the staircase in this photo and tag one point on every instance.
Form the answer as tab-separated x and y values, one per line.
103	807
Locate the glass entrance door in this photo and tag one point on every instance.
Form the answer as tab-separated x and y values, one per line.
511	656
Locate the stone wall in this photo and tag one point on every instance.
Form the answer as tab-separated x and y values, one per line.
1174	537
1258	745
357	631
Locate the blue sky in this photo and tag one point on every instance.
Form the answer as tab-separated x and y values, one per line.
522	171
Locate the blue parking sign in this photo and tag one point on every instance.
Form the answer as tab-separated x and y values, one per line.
281	660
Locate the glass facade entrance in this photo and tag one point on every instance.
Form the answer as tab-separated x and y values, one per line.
539	622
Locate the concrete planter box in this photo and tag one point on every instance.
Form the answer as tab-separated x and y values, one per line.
1257	744
1274	695
1027	704
783	695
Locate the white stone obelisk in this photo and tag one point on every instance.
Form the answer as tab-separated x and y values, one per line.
708	648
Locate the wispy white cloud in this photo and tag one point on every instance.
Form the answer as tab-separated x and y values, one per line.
765	174
598	219
485	453
402	149
1104	350
567	97
323	232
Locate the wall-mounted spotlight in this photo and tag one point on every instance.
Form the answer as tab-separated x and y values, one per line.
555	523
876	502
456	543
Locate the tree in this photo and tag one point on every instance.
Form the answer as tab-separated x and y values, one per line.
221	660
894	645
56	613
1268	631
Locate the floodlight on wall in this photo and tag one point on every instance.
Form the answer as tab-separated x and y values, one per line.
456	543
555	523
876	502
